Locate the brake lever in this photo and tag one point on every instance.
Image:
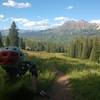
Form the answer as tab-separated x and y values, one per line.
43	93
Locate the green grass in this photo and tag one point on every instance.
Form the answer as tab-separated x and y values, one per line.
10	89
22	87
85	86
84	76
85	81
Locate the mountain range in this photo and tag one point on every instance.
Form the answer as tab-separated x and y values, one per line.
66	31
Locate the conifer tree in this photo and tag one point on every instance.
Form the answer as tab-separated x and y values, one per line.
1	43
95	48
73	49
85	49
22	44
90	45
7	41
13	35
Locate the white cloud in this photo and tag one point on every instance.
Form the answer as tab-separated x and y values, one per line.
1	17
41	24
29	24
12	3
69	7
38	24
61	20
97	21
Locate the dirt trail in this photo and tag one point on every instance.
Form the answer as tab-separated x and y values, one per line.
61	90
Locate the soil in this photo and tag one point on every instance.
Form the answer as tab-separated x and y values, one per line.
61	90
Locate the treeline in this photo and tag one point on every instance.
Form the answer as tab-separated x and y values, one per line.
12	39
86	48
49	46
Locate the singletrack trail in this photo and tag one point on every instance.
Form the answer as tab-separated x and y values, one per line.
61	90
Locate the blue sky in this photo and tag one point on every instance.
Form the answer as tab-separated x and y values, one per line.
43	14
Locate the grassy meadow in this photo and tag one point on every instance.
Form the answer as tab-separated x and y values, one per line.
84	75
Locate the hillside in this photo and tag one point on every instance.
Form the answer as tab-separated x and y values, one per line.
69	30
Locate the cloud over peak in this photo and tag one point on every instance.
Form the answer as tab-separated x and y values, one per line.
13	3
61	20
95	21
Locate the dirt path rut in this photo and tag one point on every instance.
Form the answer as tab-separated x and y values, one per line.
61	90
